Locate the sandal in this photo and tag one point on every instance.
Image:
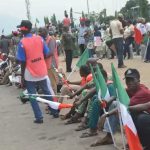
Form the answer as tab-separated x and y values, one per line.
80	128
88	134
72	121
101	142
64	117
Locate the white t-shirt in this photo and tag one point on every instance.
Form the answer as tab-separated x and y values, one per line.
148	27
142	28
128	31
115	27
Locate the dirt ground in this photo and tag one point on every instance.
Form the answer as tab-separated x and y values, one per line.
18	132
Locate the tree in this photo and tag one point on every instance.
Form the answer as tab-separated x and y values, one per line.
65	12
83	15
136	8
144	8
46	21
53	20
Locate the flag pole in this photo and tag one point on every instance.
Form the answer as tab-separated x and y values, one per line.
82	61
120	121
73	70
107	119
42	95
108	122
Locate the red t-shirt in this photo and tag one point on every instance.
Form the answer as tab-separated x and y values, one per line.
66	22
85	80
141	96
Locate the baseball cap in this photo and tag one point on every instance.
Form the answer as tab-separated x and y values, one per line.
132	73
120	15
25	25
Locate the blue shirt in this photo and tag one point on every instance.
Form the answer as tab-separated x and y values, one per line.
21	56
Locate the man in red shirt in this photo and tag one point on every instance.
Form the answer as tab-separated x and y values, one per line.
139	108
66	21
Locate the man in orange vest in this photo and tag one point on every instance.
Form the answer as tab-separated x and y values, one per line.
31	52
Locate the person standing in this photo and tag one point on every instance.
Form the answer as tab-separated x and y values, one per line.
31	51
4	45
51	61
116	30
146	52
67	42
89	38
66	21
81	40
128	37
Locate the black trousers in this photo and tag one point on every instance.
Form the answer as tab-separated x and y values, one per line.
148	53
82	48
68	54
142	123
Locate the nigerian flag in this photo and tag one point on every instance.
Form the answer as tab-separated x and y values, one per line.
52	104
124	100
83	58
101	86
95	79
102	83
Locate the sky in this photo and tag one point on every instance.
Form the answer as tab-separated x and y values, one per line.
13	11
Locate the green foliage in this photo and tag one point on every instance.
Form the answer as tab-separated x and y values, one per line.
65	12
54	20
136	8
46	20
83	15
144	8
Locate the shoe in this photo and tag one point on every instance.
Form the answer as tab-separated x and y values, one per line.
107	140
147	61
123	66
69	70
56	115
82	127
38	121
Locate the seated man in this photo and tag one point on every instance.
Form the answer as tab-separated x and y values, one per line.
86	75
85	93
139	107
96	109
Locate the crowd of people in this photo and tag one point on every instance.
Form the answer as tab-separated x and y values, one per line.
33	58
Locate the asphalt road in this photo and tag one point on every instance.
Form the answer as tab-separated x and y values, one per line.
18	132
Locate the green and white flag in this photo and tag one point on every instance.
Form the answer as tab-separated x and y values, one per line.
102	83
124	100
83	58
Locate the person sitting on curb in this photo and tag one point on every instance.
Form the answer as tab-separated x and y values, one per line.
139	108
86	75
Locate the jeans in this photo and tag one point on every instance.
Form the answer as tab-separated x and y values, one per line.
113	120
119	50
31	88
128	42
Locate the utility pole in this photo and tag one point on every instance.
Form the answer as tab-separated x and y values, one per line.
27	2
88	8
